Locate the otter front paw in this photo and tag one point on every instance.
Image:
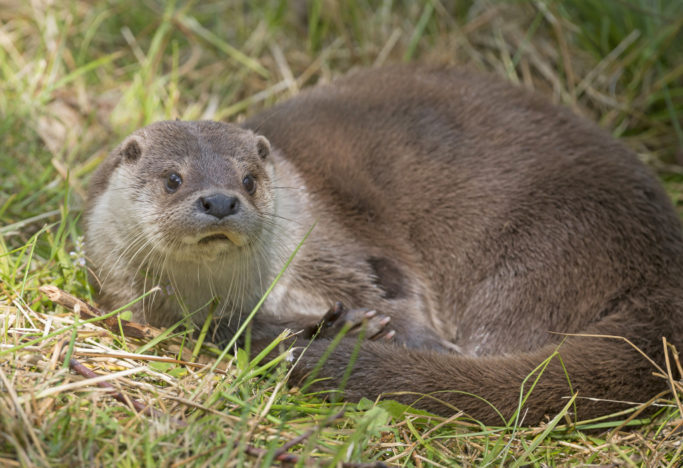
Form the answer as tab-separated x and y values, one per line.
352	322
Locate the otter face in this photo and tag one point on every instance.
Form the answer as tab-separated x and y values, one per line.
191	191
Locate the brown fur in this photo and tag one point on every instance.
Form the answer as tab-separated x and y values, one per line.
481	220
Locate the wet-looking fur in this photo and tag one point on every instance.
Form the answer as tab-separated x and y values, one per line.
485	222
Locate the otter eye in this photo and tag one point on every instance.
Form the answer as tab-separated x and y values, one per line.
249	184
173	181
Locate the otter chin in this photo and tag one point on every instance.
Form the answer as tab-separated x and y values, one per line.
477	227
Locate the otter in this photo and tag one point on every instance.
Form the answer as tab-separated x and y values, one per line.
477	227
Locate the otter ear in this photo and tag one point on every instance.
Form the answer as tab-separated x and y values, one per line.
262	146
131	150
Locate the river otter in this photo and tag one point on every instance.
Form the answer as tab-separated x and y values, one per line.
488	225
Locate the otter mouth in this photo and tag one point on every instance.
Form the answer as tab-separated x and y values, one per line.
214	238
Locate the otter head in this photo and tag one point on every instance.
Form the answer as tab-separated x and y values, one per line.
182	191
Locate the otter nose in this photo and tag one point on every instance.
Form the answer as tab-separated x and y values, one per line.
218	205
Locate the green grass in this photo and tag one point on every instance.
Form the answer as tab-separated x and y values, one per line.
77	76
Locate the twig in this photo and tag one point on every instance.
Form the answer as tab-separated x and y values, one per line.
134	404
297	440
145	357
364	465
282	455
285	457
670	375
86	311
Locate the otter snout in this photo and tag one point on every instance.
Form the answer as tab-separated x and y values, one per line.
218	205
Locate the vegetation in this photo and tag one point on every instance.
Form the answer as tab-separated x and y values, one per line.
76	76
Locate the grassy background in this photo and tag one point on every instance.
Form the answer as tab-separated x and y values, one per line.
77	76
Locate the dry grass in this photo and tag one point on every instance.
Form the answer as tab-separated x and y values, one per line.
76	76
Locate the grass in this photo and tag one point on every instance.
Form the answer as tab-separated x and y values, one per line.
77	76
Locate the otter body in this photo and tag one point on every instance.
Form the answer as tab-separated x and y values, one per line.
486	223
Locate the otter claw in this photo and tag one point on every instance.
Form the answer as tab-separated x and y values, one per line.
375	327
389	335
353	320
333	314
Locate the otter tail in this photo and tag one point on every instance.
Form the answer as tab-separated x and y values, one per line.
603	373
